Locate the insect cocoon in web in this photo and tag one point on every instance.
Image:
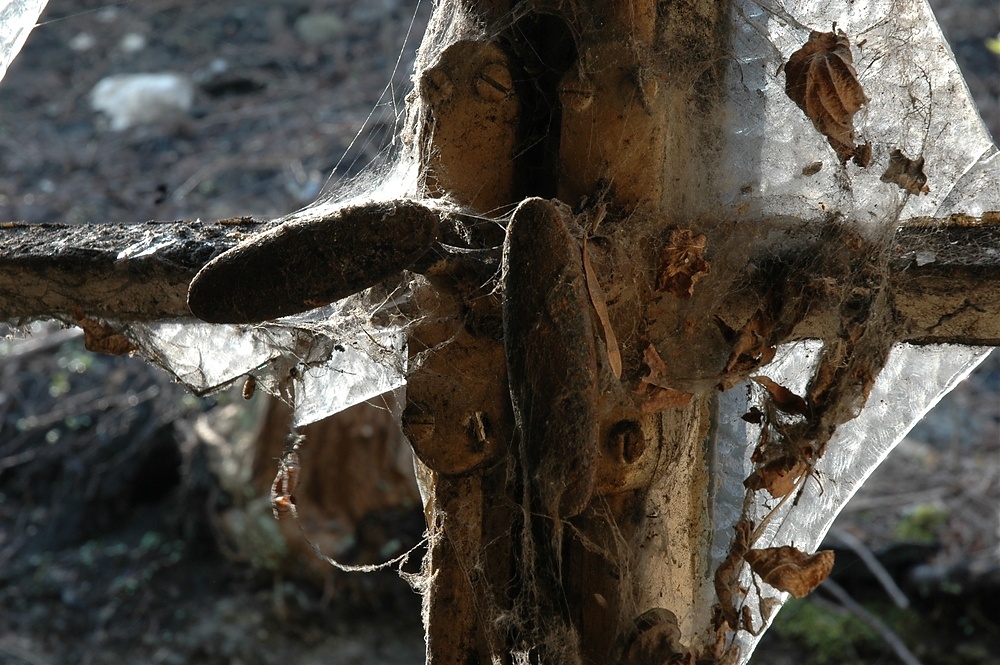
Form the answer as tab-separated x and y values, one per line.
283	487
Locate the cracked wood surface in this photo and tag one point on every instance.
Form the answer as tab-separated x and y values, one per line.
945	274
124	271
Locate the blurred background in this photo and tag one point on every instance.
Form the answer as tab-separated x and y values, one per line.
135	525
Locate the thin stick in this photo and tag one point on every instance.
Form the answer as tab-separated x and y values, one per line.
873	622
874	565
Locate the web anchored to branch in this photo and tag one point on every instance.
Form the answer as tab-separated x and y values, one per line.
642	272
712	211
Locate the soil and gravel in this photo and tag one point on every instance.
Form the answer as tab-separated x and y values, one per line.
109	542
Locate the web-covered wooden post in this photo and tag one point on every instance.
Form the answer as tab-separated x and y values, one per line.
566	427
574	523
622	226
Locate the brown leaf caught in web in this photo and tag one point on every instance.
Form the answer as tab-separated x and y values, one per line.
783	398
820	78
780	476
780	462
101	338
752	345
682	263
657	395
657	368
907	173
790	569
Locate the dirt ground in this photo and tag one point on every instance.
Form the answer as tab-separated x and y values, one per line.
109	552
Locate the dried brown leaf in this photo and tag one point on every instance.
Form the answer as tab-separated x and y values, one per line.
752	348
907	173
779	476
599	300
657	368
657	395
820	78
682	263
790	569
101	338
727	575
783	398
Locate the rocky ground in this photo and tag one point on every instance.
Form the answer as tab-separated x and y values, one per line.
106	558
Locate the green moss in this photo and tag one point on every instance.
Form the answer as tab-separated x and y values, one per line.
828	636
921	524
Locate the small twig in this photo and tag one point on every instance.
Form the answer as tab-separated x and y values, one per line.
872	621
40	344
903	499
17	459
23	654
874	565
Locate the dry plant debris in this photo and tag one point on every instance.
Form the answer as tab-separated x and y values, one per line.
789	569
654	387
820	78
783	398
683	263
100	337
753	347
907	173
285	482
600	302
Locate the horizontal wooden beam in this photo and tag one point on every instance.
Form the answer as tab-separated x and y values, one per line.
124	271
945	274
946	282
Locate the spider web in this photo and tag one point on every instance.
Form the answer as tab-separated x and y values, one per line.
326	360
919	104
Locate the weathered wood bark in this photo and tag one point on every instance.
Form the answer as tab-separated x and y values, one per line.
561	435
48	270
125	271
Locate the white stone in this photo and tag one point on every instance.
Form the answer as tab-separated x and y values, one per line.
142	99
83	41
133	42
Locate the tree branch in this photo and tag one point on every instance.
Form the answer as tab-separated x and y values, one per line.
123	271
945	274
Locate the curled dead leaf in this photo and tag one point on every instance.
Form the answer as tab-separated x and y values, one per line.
783	398
907	173
100	337
820	78
682	263
727	576
789	569
752	347
779	476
